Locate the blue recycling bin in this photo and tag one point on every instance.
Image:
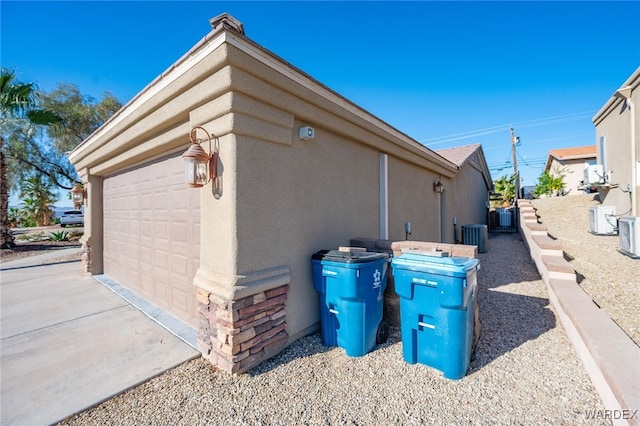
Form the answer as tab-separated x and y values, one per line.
351	287
437	302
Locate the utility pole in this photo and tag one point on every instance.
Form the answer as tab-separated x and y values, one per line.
515	140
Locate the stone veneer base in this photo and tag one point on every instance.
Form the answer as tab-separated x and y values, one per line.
237	335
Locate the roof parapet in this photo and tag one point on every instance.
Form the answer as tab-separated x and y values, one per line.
224	21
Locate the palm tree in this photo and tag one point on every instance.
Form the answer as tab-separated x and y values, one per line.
507	188
37	200
17	102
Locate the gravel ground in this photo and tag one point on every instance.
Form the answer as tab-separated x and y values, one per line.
25	247
609	277
525	371
33	248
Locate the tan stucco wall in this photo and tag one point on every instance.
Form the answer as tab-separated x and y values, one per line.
466	199
280	198
572	172
294	197
412	199
613	122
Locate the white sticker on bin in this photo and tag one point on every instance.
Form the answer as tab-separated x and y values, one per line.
328	272
417	280
333	311
425	325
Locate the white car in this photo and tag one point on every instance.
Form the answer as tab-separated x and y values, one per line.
72	217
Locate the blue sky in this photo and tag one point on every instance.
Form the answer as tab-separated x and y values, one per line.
445	73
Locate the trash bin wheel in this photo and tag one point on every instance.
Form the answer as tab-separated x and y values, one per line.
383	332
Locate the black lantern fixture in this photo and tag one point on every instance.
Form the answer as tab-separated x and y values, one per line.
199	166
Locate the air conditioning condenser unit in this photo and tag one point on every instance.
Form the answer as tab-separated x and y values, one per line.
594	174
475	235
504	216
629	230
602	220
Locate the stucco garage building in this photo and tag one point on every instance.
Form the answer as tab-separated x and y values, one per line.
232	259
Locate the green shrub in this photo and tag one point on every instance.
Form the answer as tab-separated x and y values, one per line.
58	236
548	183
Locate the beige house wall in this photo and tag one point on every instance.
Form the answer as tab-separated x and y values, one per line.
466	200
614	124
412	199
278	198
572	172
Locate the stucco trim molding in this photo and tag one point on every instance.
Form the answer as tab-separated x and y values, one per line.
235	287
194	56
613	102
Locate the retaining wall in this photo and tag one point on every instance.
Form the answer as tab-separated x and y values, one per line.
610	357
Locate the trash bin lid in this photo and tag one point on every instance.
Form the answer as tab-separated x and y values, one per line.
348	256
451	266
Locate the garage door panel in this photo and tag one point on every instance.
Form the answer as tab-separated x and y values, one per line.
180	233
161	260
146	230
146	203
179	200
161	231
161	292
179	299
151	235
160	203
146	283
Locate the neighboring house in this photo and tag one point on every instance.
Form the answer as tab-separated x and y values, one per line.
232	258
618	147
467	195
570	163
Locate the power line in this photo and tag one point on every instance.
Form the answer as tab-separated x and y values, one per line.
497	129
528	162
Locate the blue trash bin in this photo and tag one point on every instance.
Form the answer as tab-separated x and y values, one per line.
351	287
437	302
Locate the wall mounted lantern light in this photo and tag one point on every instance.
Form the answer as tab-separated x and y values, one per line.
199	166
437	186
77	196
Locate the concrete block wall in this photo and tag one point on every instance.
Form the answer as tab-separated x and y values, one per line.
609	356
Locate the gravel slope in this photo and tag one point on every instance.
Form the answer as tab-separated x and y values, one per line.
525	372
609	277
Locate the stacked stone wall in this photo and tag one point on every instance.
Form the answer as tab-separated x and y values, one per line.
237	335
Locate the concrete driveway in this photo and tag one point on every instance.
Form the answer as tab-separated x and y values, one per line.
67	342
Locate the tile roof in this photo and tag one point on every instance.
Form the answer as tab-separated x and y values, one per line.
573	153
459	154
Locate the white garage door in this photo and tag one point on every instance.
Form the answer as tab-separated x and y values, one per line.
152	235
